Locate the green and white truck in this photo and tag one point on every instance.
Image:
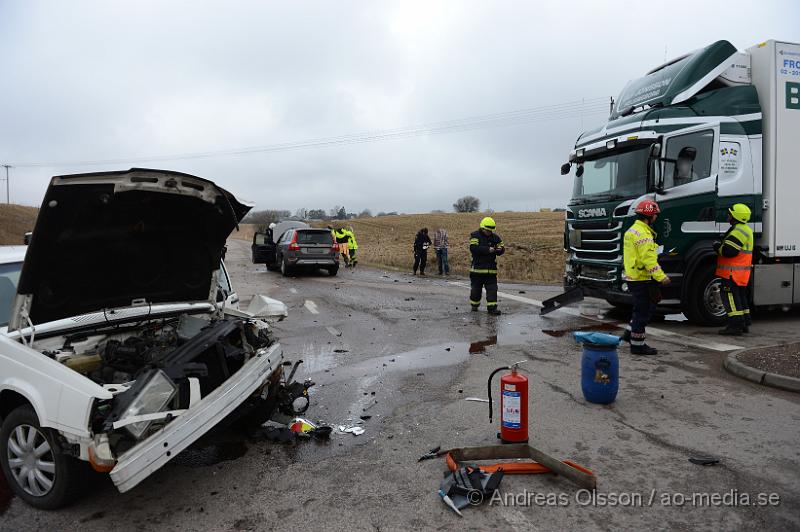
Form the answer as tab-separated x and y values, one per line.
702	132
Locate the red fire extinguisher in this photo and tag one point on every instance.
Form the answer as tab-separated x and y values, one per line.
513	404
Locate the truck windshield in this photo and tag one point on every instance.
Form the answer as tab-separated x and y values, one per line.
618	174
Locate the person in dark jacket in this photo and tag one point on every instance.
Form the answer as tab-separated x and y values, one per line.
421	244
485	246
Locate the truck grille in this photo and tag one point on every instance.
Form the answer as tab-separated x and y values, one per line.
596	241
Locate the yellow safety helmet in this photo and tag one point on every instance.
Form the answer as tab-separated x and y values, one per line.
488	223
740	212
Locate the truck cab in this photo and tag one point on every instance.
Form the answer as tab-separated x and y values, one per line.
693	135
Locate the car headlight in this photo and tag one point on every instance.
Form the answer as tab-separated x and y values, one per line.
154	394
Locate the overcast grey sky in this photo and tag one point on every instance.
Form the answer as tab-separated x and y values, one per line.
98	80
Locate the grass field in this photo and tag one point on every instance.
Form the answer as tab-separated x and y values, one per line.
15	221
534	242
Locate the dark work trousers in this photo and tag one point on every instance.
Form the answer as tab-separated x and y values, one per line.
643	308
420	260
737	306
479	281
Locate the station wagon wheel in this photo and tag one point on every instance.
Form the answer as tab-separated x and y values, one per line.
34	466
31	460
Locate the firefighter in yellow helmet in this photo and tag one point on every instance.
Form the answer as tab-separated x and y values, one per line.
734	262
485	246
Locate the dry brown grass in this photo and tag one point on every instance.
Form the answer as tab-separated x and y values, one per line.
534	242
15	221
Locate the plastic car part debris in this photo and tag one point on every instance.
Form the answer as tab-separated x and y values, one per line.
354	430
450	504
704	460
469	486
299	425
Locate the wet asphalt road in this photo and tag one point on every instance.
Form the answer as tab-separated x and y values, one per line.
407	352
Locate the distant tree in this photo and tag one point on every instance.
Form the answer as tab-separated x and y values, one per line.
366	213
316	214
341	214
489	211
266	217
467	204
301	213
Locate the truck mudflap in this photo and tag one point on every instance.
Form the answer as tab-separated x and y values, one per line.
573	295
151	454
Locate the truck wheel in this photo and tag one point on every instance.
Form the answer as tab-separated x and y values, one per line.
703	304
34	468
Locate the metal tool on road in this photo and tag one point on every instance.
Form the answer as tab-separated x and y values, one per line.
436	452
562	300
540	462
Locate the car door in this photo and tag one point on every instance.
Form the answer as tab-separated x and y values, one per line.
224	281
263	248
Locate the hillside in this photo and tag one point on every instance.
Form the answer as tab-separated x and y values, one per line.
534	242
15	221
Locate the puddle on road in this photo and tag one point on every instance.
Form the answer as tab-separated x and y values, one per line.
211	454
5	494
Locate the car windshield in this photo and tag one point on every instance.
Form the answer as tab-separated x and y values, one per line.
620	174
9	277
314	237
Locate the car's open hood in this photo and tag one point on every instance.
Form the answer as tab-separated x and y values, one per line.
114	239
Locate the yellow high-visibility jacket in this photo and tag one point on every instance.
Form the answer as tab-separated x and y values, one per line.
641	254
352	236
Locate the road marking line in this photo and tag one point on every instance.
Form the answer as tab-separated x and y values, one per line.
652	331
293	290
311	306
334	331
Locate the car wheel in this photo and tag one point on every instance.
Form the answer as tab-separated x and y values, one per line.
332	271
285	268
703	304
33	465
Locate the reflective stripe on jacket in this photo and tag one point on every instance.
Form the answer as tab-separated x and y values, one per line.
737	268
641	254
484	261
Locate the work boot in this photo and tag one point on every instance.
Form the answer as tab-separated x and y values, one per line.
475	308
626	336
731	331
643	350
494	311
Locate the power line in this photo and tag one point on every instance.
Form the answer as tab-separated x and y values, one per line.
574	109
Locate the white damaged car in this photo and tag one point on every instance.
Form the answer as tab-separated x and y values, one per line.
119	349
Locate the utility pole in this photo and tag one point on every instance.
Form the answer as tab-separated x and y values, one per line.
8	188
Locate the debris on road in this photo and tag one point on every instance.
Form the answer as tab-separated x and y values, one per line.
433	453
354	430
468	486
704	460
477	399
540	462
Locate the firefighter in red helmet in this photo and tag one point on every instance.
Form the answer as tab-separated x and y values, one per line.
643	274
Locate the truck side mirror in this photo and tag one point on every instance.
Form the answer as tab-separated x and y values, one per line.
565	168
655	150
